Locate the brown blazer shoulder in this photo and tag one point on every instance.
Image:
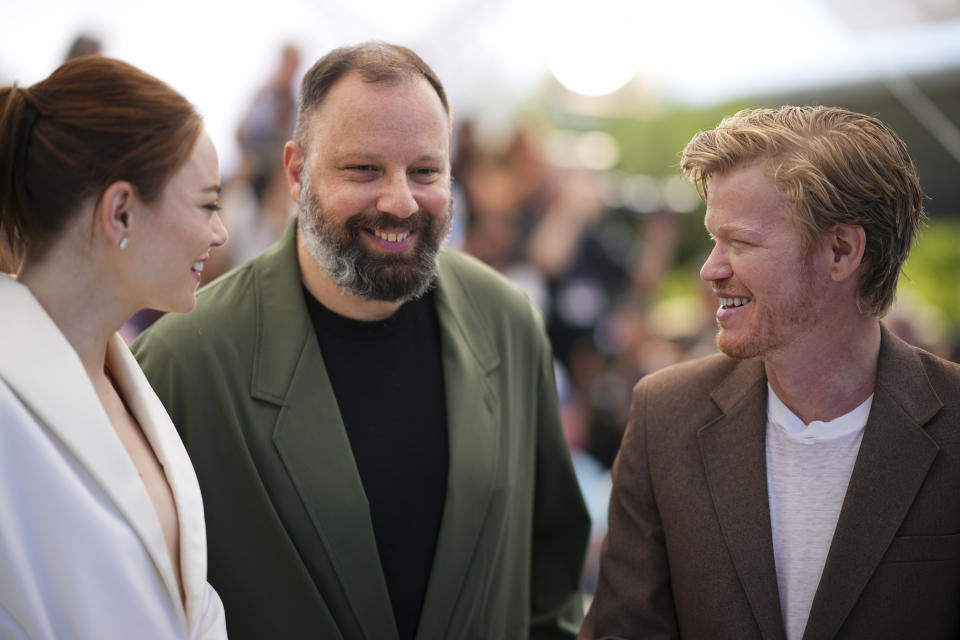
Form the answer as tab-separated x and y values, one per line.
689	553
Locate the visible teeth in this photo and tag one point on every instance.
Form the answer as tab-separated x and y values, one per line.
198	266
392	237
734	302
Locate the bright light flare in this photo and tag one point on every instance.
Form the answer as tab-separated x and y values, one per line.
592	48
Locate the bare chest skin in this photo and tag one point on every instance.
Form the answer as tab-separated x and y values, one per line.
150	470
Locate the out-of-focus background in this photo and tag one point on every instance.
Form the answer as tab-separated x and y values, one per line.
569	120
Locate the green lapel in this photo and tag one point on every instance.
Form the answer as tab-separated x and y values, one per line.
473	423
316	454
311	442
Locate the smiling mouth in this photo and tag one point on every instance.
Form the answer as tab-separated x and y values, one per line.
733	302
197	266
391	237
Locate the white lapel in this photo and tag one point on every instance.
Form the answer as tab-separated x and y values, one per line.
167	446
46	373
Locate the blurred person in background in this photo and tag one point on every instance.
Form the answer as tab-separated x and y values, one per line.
803	483
269	122
256	198
373	418
83	45
591	268
108	204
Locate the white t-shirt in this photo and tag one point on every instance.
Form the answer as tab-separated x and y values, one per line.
808	470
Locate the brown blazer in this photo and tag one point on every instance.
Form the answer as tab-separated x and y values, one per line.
689	551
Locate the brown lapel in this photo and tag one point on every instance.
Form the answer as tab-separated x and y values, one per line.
734	457
894	458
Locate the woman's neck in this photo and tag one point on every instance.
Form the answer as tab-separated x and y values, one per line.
82	300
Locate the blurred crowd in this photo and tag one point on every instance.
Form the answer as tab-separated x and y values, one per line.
594	259
597	262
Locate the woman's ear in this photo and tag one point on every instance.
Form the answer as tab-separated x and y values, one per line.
848	243
116	211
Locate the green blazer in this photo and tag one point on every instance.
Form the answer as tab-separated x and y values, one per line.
291	545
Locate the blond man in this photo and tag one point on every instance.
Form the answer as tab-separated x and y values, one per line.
802	483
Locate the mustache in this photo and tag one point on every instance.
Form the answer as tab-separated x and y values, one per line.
381	221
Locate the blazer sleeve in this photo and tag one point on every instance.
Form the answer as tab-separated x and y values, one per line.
634	598
561	525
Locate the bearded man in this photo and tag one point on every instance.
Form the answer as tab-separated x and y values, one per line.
372	418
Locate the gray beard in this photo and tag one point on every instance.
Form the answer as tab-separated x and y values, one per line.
340	252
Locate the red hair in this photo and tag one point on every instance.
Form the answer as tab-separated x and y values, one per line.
65	139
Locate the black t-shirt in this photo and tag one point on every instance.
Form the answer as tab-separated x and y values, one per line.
387	377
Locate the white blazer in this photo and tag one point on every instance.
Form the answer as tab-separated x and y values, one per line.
82	553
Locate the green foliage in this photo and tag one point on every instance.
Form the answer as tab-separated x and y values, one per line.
932	272
650	141
653	146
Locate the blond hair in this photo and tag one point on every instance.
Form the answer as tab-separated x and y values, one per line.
835	167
